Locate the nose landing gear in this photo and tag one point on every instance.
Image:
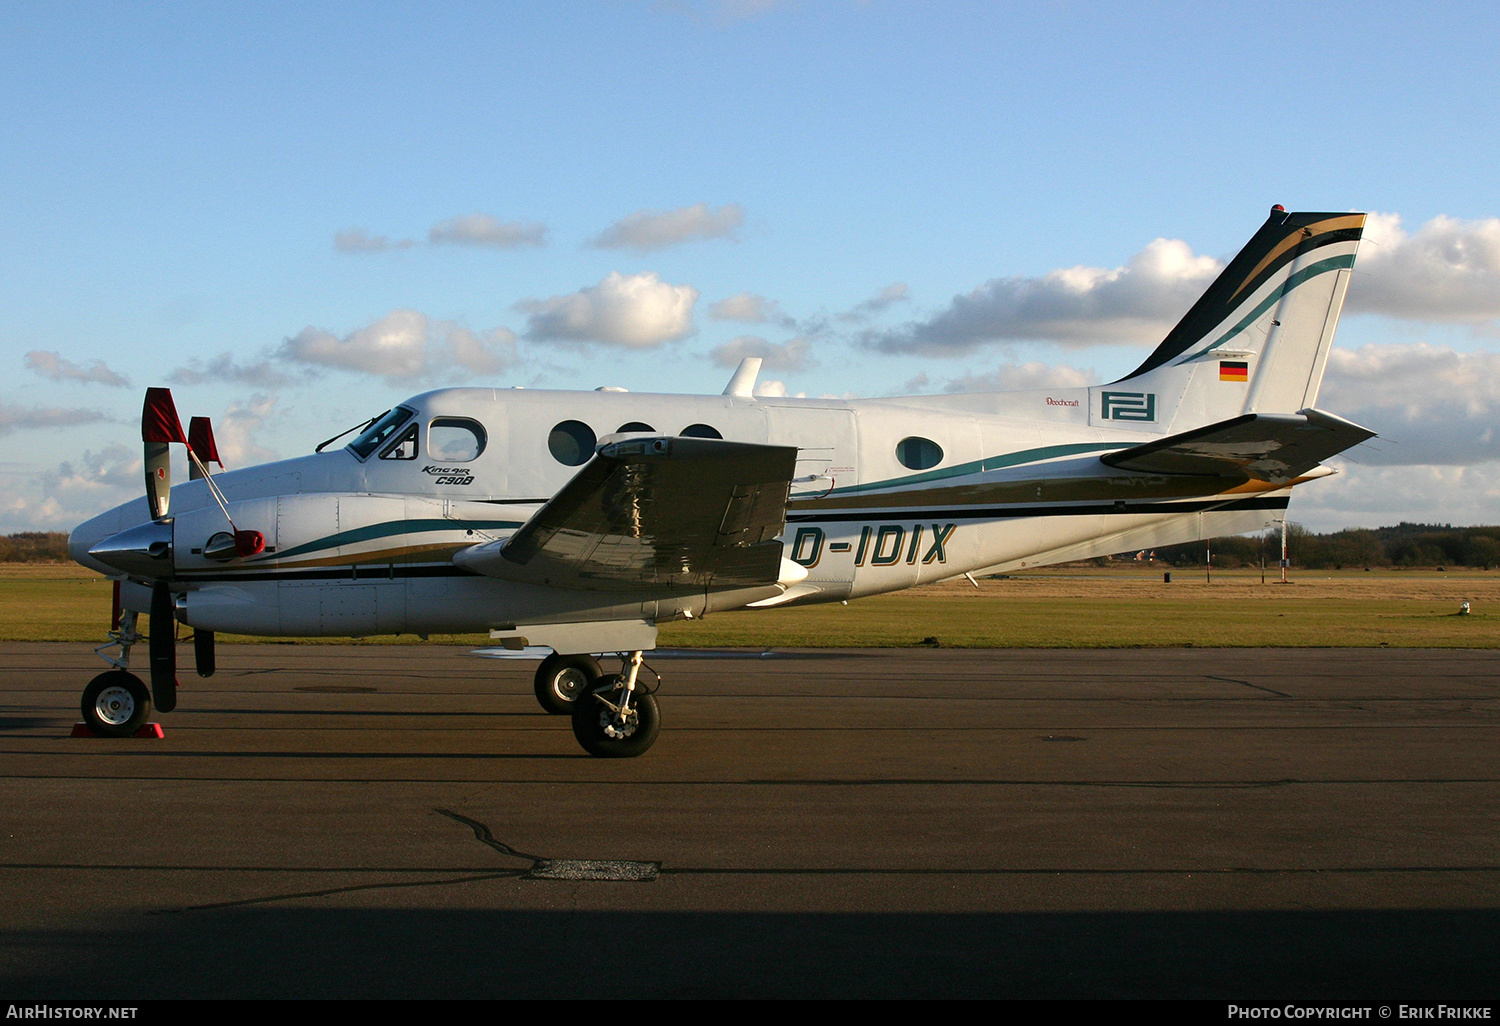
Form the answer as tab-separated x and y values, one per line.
115	704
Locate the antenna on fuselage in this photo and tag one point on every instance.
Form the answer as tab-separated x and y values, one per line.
743	382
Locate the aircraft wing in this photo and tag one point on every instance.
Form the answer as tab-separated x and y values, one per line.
1273	447
667	513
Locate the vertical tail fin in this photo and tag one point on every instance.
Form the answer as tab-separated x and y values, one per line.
1257	340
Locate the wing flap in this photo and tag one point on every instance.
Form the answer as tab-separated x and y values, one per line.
1271	447
655	513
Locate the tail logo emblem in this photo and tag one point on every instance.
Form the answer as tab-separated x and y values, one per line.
1137	406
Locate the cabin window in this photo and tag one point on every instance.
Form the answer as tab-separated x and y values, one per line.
380	432
700	431
634	425
572	443
404	448
917	453
455	439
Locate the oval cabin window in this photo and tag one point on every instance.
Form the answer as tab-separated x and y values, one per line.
700	431
917	453
572	443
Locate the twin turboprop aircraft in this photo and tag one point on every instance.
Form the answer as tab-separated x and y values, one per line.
580	521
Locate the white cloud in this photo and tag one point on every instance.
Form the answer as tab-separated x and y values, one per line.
77	489
117	466
28	418
791	356
1431	404
486	353
1368	496
1074	306
637	311
394	347
484	230
776	390
1011	377
647	230
402	345
223	368
897	292
52	365
1449	271
357	240
746	308
234	432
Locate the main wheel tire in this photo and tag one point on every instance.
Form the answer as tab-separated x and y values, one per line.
562	678
594	722
116	704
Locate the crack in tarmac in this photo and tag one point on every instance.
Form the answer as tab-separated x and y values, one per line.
540	868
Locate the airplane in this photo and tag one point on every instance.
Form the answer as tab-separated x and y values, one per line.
580	521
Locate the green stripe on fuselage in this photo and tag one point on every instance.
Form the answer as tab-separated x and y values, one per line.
1010	459
388	530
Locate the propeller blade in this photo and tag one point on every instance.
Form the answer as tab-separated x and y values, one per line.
201	443
203	652
163	648
160	426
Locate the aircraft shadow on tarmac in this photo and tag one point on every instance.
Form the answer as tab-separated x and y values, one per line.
374	953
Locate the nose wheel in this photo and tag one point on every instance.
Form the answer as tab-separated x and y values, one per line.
115	704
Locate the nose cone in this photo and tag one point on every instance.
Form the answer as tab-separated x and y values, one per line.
144	551
86	535
79	543
94	530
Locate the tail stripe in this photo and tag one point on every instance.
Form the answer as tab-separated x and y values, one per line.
1283	238
1312	271
1337	228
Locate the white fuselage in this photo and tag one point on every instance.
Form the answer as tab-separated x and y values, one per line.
887	494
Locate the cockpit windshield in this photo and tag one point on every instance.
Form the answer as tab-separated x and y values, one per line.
374	436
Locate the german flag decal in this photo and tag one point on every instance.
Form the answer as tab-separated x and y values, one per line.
1234	370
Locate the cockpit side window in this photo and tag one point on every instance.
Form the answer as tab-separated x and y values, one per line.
405	446
380	432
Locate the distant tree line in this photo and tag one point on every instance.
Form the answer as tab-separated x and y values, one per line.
34	547
1402	545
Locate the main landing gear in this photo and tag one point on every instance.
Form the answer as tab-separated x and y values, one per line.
614	715
561	679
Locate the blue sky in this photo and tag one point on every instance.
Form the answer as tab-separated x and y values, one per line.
297	214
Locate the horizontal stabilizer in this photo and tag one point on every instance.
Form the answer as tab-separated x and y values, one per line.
668	513
1272	447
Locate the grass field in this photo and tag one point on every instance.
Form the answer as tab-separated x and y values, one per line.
1119	607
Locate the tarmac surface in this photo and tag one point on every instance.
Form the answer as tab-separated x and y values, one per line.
405	822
